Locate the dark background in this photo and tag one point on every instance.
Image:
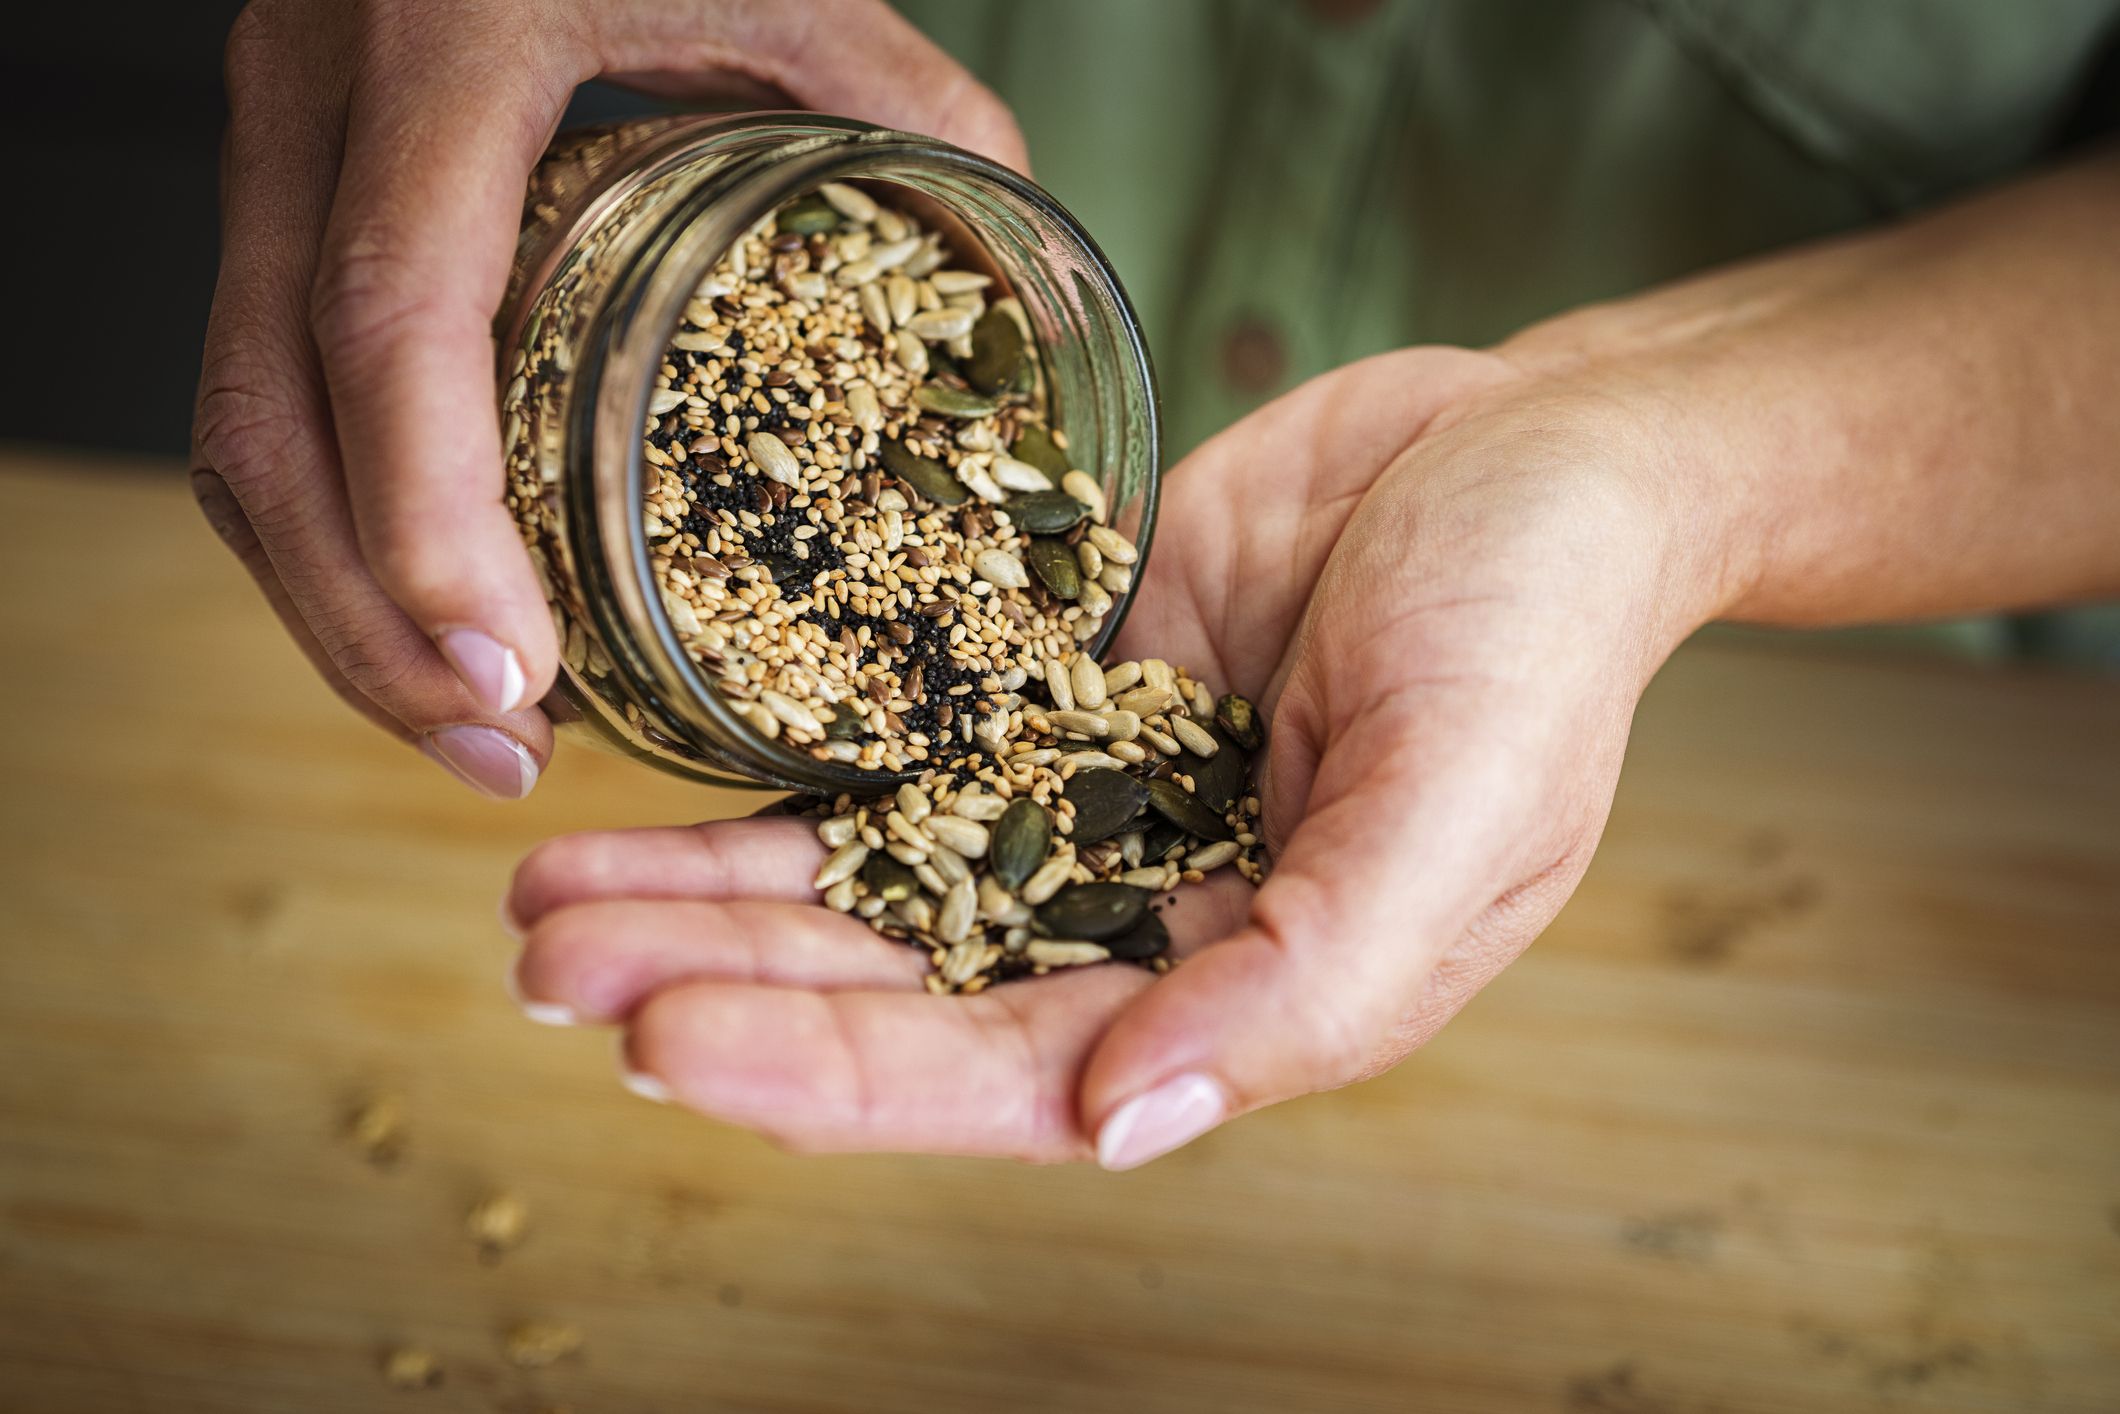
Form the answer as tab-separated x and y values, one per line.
111	115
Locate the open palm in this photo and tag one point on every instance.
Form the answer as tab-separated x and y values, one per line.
1443	591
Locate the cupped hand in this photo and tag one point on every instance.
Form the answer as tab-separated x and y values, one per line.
346	444
1445	581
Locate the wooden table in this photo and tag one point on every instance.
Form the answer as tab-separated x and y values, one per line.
1810	1101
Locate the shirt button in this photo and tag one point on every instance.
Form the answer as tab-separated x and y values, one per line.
1254	356
1344	12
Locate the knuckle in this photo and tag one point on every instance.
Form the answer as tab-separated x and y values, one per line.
242	432
364	293
377	660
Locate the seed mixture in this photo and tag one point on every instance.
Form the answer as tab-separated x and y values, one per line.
861	522
865	527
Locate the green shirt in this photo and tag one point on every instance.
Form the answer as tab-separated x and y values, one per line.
1288	185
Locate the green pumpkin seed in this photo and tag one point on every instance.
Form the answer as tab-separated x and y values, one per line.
955	402
1236	716
1220	780
997	353
1025	382
1170	800
1105	802
1035	445
810	216
1144	940
1054	562
1022	838
928	477
846	725
1159	839
888	879
1045	512
1092	912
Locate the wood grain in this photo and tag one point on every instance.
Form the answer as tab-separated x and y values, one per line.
1810	1101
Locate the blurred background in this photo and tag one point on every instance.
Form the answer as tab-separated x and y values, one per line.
1810	1100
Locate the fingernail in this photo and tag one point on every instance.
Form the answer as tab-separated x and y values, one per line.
492	672
1149	1126
645	1085
489	761
543	1013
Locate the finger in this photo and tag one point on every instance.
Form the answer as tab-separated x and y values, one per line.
859	58
989	1074
724	859
599	961
263	429
439	143
1391	863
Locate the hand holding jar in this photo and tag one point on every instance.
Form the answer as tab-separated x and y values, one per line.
345	444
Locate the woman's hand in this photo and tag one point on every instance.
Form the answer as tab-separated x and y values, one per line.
346	443
1445	582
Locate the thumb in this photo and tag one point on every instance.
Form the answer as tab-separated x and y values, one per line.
1386	869
859	58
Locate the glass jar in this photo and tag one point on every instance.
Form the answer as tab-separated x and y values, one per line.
620	225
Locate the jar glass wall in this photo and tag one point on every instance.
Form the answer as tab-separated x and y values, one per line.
620	227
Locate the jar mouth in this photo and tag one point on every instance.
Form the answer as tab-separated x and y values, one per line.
1085	331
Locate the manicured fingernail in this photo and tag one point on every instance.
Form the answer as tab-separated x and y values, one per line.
645	1085
488	760
1149	1126
543	1013
492	672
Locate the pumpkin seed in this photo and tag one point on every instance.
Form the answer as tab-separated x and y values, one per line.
928	477
1174	804
1236	716
1092	911
1159	839
1044	512
1219	781
1147	938
1053	561
1105	802
1036	446
1021	838
955	402
810	216
997	353
845	726
888	879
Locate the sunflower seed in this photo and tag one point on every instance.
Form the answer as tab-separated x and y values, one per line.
912	353
1212	857
1089	557
864	408
916	912
936	325
948	864
1120	676
1059	685
1000	568
913	803
1087	678
1021	838
1020	476
876	308
1087	760
850	202
1055	952
1092	911
790	712
973	805
1112	545
840	864
664	400
903	296
1089	724
1105	802
1084	488
1050	876
958	834
1095	600
841	896
959	282
1121	726
836	830
1193	737
771	456
1179	807
931	878
959	908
